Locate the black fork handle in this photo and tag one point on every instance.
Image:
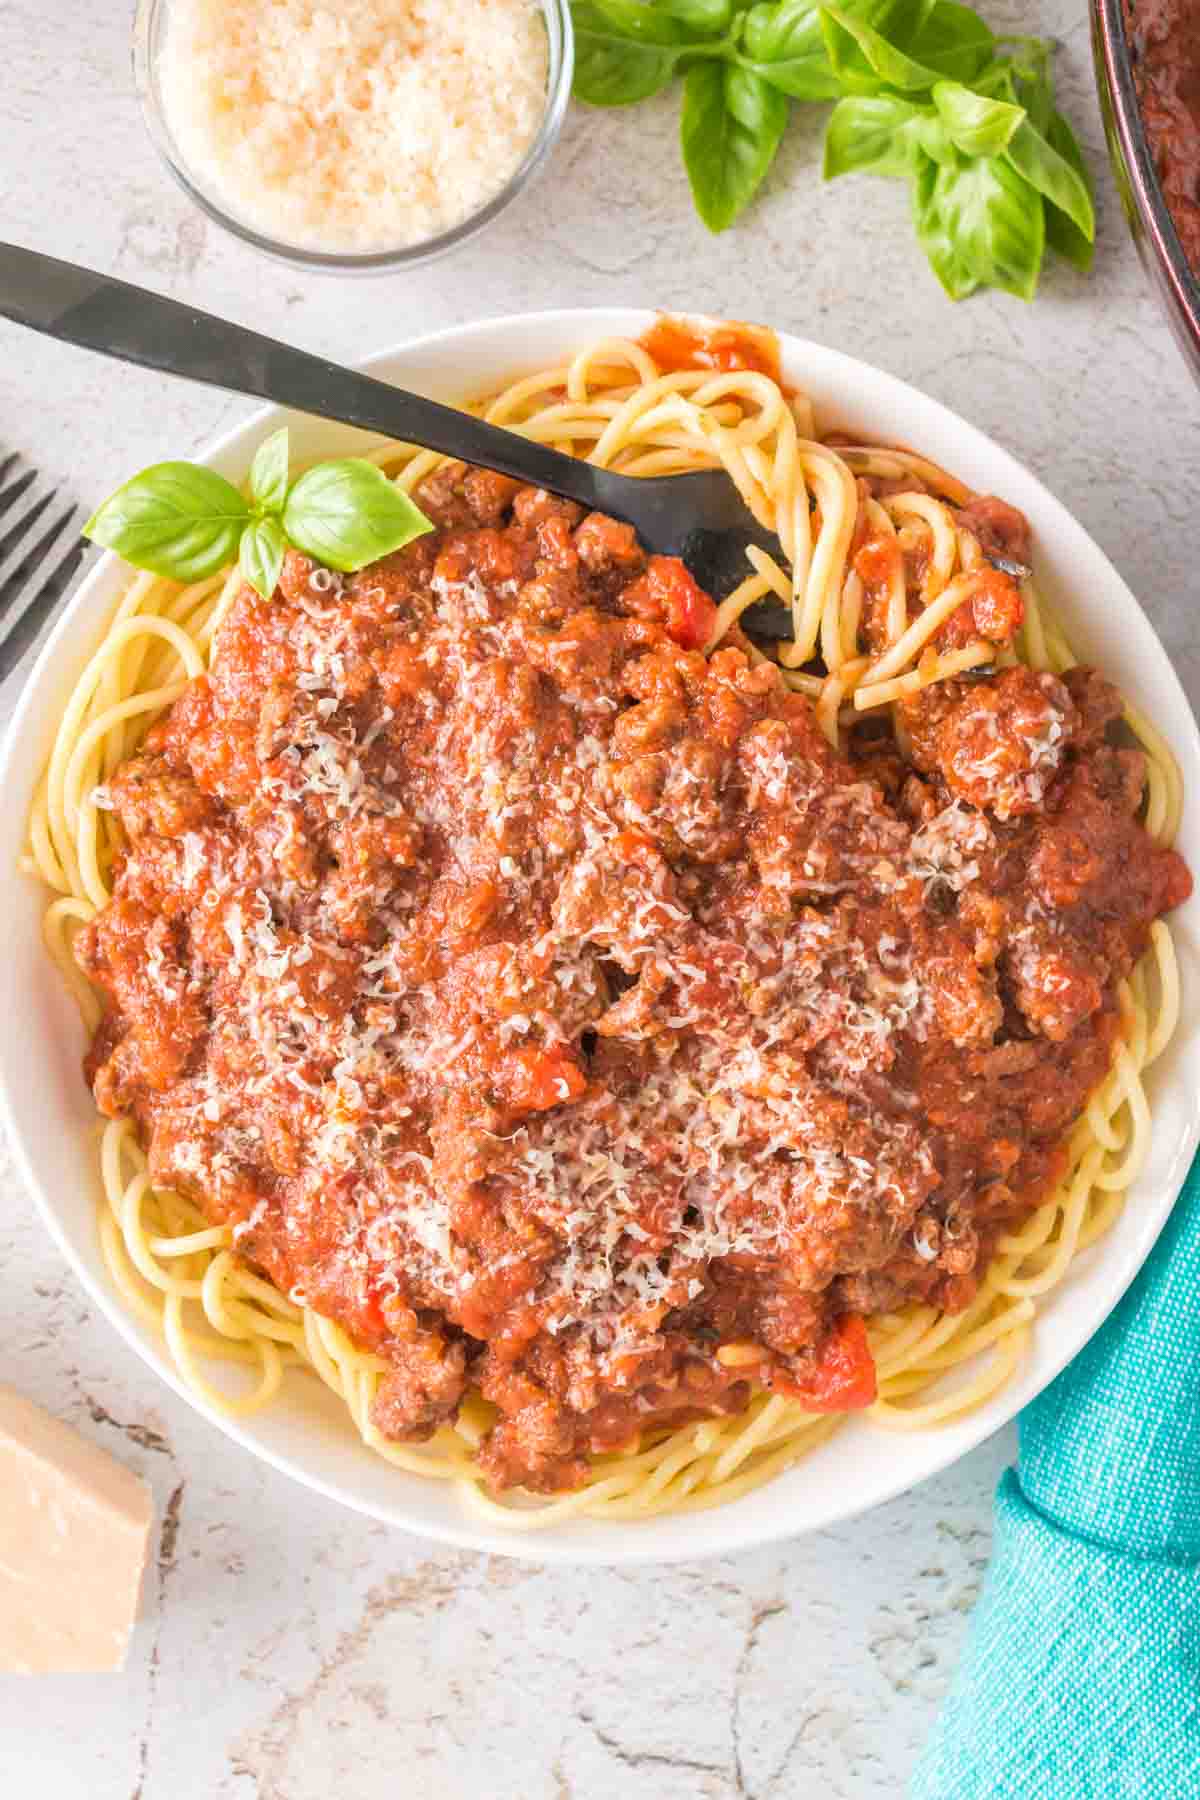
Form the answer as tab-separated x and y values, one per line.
80	306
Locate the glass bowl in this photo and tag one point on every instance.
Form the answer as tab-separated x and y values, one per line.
1176	283
149	25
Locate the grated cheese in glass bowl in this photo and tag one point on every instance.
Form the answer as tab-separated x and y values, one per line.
355	134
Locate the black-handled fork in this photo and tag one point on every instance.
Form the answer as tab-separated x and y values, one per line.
699	516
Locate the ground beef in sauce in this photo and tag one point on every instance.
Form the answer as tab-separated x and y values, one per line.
555	1009
997	744
1164	43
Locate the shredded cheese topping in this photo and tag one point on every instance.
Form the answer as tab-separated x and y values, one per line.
743	1114
365	126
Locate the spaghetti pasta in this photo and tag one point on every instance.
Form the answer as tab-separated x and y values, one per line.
855	654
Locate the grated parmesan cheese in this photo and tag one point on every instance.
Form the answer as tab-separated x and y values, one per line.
366	126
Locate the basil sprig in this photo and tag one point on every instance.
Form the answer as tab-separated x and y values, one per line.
925	92
184	521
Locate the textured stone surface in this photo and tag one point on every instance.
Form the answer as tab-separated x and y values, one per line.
291	1650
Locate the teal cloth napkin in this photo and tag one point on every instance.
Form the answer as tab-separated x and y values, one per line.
1081	1675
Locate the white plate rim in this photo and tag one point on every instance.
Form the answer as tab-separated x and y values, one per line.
765	1516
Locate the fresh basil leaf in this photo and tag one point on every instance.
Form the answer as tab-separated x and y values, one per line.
974	124
801	78
269	472
1052	174
1024	76
996	81
880	134
704	18
1028	75
1062	233
639	23
866	60
260	553
784	45
779	32
669	22
175	519
946	257
347	514
730	130
901	22
612	69
955	41
980	223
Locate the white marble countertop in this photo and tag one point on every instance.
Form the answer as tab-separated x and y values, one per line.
290	1650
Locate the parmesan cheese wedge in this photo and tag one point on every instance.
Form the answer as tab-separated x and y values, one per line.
74	1531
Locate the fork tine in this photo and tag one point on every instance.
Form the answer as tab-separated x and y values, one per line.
10	495
15	542
35	571
31	552
39	612
22	545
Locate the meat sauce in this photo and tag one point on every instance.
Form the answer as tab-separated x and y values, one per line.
994	611
555	1010
724	346
1164	40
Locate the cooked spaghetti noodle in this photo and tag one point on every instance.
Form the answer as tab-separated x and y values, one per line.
857	649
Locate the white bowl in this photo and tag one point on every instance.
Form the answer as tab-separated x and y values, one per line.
48	1111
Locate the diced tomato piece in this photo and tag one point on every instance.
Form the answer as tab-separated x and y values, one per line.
371	1320
844	1378
690	613
994	612
878	561
667	593
998	607
540	1079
